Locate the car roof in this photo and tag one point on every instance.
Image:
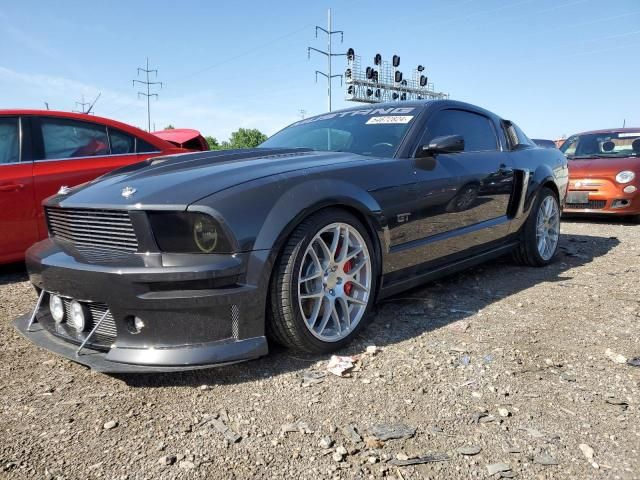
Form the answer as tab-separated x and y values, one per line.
85	117
610	130
425	104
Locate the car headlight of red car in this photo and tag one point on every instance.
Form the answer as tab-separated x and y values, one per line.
188	232
625	176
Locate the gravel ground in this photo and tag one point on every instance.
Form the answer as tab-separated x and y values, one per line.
500	368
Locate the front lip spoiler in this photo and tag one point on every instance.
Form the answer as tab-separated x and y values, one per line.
230	353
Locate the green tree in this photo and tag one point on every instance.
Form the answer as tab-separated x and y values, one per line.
213	142
169	127
245	138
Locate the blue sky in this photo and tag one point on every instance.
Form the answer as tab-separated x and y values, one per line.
554	66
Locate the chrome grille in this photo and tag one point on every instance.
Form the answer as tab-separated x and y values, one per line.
107	329
107	229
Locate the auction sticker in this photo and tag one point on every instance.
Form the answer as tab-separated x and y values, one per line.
389	119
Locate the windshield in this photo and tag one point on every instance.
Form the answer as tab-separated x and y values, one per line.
374	132
602	145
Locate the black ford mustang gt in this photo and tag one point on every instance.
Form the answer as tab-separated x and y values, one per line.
193	260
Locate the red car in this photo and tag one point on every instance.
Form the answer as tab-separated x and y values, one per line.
184	138
42	150
604	172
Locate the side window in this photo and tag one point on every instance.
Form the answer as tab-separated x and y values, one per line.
63	138
477	130
121	143
516	136
145	147
9	140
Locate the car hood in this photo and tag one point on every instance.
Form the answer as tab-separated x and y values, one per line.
174	182
602	167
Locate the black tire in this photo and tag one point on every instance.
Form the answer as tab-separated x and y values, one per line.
526	253
285	324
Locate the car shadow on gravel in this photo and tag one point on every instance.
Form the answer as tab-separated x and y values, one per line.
13	273
407	315
602	219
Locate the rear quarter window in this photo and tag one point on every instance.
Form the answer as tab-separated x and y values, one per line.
145	147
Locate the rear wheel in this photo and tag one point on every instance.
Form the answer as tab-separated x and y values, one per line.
541	232
323	284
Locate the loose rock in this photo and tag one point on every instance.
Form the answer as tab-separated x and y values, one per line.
545	459
497	468
392	431
167	460
615	357
473	450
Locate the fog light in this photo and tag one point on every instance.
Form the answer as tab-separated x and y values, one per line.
56	307
138	323
629	189
134	324
620	203
77	317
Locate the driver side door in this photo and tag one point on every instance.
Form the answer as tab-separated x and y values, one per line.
459	201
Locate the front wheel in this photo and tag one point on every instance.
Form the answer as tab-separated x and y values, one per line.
541	232
323	284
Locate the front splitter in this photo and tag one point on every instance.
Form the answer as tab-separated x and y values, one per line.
234	352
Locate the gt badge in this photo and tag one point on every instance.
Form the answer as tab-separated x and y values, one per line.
403	217
128	192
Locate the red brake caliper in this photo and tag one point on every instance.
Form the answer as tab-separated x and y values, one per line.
348	286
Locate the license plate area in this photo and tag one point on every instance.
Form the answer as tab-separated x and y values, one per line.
578	197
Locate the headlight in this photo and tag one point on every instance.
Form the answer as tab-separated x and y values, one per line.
625	176
205	233
188	232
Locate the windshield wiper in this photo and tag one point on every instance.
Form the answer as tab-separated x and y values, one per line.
594	155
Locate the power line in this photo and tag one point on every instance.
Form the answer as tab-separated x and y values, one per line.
328	54
148	84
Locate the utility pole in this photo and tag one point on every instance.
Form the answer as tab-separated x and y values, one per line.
148	83
328	53
303	113
82	104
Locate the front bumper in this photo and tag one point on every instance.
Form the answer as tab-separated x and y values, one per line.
198	311
604	196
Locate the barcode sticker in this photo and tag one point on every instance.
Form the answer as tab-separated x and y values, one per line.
389	119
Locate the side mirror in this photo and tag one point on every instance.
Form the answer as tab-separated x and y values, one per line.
445	144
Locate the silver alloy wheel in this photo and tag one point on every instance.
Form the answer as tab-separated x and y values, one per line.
334	282
548	227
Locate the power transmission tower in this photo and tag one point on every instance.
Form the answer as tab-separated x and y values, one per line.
82	104
328	54
147	71
303	113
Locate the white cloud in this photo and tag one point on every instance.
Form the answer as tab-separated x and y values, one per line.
207	110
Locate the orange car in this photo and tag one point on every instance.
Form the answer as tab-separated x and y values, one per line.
604	172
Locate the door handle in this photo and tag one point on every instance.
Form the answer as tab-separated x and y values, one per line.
11	187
